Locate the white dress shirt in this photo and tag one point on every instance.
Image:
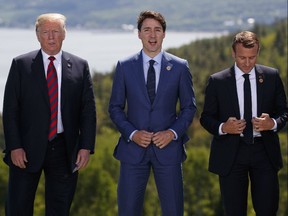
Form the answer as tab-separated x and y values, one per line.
240	93
58	66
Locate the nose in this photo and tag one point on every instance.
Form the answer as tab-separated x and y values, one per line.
153	33
50	35
247	62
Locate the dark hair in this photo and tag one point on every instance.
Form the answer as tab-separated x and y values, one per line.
153	15
247	39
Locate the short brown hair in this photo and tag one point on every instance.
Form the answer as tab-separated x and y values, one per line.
153	15
247	39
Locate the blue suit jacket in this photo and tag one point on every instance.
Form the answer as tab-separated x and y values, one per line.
130	108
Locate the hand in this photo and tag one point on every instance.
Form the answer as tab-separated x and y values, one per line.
163	138
18	157
234	126
82	158
142	138
262	123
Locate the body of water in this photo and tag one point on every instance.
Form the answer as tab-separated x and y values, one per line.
102	50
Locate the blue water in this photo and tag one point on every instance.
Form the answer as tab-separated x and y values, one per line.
101	49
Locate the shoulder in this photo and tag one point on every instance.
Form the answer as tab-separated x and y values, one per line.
69	56
30	55
223	74
173	58
130	59
265	69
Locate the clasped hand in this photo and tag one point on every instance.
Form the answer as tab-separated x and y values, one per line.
236	126
160	139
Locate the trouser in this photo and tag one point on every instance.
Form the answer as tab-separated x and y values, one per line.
133	180
252	163
60	184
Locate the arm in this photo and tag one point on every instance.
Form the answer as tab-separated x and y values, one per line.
88	113
11	118
117	104
187	103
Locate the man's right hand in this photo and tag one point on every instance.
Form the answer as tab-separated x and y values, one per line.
142	138
233	126
18	157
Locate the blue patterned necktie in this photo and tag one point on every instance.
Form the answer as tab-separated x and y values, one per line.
151	83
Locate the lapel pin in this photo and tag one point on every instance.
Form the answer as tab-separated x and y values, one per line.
261	79
168	68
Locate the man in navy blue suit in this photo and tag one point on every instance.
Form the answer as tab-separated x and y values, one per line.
144	109
246	148
49	120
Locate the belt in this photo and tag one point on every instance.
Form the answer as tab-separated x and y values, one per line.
256	140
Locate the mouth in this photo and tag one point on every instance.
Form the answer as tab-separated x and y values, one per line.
152	43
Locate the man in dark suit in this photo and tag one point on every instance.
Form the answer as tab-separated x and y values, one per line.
245	143
152	132
49	120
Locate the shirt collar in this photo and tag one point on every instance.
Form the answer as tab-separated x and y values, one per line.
239	73
57	56
157	58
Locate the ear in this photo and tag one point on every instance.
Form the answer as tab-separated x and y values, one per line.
233	53
38	37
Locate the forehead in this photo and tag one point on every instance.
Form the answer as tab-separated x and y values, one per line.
150	22
241	50
51	24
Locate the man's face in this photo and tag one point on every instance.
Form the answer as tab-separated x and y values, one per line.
151	35
50	35
245	58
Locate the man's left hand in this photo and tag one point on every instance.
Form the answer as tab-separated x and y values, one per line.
82	158
262	123
163	138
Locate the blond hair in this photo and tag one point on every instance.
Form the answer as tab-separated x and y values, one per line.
50	17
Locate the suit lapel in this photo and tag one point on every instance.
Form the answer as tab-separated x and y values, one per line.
66	76
232	89
38	72
259	86
166	67
138	75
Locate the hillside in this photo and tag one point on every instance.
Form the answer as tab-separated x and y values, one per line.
186	15
97	186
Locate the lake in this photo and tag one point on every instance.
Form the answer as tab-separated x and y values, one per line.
102	49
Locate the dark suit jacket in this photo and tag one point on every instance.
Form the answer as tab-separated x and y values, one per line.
129	89
26	111
221	102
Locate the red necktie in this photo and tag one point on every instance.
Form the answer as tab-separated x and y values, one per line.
52	83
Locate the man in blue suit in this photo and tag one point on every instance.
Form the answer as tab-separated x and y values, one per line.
153	133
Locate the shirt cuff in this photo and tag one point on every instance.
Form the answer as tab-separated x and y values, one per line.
275	125
175	134
220	130
131	135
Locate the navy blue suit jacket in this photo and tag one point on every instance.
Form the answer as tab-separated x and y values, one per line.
130	108
26	108
221	102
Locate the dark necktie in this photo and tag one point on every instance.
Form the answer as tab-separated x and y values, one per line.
151	83
248	131
52	83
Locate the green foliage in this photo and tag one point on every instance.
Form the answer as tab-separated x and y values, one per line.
97	186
